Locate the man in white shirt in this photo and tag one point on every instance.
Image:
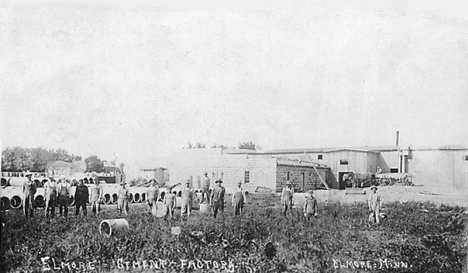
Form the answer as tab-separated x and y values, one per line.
95	196
287	198
50	194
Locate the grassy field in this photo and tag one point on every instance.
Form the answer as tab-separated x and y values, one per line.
416	237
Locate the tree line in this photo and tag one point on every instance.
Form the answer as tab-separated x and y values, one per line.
18	159
242	145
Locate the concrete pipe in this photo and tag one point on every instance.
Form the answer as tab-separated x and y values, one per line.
205	208
40	201
5	182
37	182
159	210
15	202
143	197
115	197
44	181
71	200
161	196
131	198
4	202
136	198
17	181
107	198
109	227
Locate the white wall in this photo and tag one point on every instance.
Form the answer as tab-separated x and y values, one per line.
231	167
440	167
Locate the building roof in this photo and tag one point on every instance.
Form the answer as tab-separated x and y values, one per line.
318	150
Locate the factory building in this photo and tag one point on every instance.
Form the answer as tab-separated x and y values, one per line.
311	168
444	166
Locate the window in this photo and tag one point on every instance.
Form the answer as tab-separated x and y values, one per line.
246	177
287	175
343	162
393	170
466	157
320	157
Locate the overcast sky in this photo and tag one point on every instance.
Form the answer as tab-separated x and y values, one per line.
136	80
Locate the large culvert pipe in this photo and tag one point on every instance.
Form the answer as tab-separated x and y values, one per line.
17	181
115	198
4	202
37	182
136	198
107	198
4	182
159	210
39	200
71	200
109	227
143	197
15	202
44	181
161	196
205	208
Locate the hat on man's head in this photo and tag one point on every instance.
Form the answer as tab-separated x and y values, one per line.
373	187
310	191
239	183
219	181
28	174
206	172
123	183
288	183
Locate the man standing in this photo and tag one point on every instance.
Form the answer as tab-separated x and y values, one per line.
239	199
81	197
375	204
29	190
122	201
50	194
153	195
187	198
217	198
170	202
310	206
206	188
287	198
95	198
63	191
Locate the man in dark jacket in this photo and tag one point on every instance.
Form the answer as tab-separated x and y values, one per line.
81	197
29	190
217	198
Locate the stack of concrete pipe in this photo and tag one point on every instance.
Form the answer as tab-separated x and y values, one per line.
11	196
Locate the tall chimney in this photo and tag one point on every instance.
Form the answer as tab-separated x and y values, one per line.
397	138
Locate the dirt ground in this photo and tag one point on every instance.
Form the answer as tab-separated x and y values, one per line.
438	195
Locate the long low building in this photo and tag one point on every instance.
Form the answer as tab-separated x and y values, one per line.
256	170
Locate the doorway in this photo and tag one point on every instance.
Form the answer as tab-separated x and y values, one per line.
341	181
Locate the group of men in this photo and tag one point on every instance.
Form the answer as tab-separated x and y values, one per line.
215	198
310	205
58	194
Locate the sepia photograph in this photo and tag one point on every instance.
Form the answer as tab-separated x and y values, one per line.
199	136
